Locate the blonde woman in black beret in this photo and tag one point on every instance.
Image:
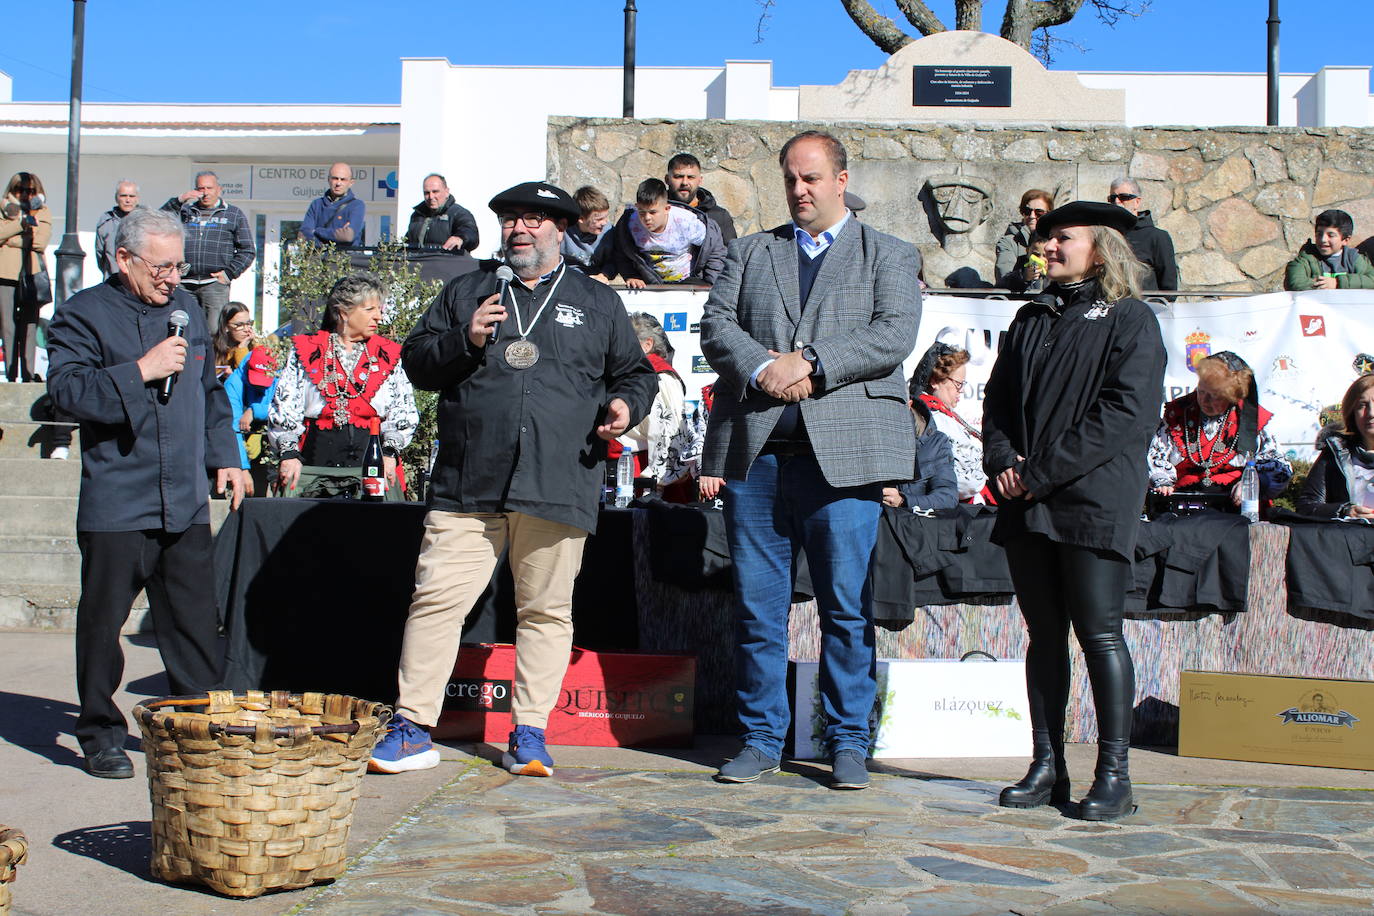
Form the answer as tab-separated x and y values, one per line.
1071	405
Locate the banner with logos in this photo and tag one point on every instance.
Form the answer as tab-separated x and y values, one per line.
1305	348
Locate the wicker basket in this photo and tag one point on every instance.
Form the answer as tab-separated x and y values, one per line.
255	792
14	849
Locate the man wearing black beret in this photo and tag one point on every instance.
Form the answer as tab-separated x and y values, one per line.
536	372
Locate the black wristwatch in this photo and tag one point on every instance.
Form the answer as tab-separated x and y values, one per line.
390	451
809	354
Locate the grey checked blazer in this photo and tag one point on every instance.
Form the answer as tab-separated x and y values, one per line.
861	319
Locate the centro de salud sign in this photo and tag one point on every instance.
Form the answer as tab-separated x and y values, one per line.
296	181
966	87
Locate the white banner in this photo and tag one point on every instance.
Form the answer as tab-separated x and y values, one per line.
1306	348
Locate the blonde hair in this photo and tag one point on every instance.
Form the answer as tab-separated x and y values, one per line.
1120	272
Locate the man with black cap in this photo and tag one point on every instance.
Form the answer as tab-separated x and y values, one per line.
536	372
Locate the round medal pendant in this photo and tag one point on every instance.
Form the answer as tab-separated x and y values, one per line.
521	354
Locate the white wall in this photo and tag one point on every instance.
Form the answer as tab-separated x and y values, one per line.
1335	96
485	128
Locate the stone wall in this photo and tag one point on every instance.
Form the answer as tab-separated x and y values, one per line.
1237	201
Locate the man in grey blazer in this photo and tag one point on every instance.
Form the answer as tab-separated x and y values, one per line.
807	328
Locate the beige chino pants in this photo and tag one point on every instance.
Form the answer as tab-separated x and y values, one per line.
457	557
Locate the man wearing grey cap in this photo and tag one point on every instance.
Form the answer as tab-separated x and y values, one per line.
536	372
154	423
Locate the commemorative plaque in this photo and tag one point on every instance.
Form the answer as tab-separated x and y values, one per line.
961	87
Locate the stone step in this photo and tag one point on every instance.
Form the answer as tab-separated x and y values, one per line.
31	440
38	515
33	477
16	401
40	567
34	606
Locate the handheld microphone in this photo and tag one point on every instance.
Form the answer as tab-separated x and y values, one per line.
176	327
504	274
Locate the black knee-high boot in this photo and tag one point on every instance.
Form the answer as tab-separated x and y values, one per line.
1113	681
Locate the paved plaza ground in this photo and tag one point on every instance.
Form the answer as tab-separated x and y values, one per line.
629	832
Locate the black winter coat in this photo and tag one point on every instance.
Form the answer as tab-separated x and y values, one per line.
432	228
1326	490
1155	249
1073	401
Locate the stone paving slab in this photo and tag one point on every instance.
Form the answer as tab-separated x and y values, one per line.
617	842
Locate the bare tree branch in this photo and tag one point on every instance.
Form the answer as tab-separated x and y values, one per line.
920	15
968	15
1023	17
880	29
765	13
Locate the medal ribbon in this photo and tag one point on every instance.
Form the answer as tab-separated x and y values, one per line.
515	306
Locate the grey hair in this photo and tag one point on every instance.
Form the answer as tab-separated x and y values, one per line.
1125	182
647	328
207	174
138	226
347	294
434	175
123	181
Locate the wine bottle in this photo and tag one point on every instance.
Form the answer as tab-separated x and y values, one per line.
374	470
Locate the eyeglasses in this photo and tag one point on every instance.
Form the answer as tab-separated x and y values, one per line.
240	325
530	220
1122	198
27	190
1027	211
161	270
958	386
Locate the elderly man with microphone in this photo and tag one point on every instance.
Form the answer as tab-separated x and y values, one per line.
536	369
131	360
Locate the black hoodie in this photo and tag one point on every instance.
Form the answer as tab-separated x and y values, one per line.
706	203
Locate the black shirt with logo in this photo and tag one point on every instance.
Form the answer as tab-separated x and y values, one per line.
524	440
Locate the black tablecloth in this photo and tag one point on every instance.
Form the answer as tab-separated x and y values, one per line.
313	594
1330	564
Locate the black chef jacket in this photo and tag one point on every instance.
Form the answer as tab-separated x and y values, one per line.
524	440
143	463
1078	394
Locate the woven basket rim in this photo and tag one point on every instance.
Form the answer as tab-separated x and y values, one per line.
147	711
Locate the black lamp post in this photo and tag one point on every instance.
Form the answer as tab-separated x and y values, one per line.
628	105
70	257
1273	86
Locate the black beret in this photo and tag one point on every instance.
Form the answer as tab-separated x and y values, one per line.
854	202
536	195
1086	213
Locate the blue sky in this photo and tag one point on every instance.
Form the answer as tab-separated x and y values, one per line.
348	51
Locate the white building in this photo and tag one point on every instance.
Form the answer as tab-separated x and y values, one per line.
272	159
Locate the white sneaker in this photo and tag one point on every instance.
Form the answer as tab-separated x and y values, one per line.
60	453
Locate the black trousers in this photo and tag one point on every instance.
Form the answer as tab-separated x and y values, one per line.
1058	585
175	569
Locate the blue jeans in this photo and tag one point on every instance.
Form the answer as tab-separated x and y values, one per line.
786	505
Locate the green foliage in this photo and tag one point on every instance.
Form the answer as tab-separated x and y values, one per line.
1289	497
309	271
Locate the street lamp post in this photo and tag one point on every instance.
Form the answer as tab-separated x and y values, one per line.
628	105
1273	74
70	257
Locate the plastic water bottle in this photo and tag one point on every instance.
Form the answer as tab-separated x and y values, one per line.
1249	490
625	477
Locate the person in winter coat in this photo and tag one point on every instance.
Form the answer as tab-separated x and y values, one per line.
683	178
1070	407
933	486
439	221
660	240
1153	246
1330	261
126	202
337	217
25	229
1341	481
1011	247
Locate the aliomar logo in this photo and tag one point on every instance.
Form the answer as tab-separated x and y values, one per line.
1317	707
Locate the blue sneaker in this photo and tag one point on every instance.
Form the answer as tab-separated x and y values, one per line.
405	747
527	756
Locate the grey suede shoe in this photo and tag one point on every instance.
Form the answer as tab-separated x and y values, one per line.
848	770
748	765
